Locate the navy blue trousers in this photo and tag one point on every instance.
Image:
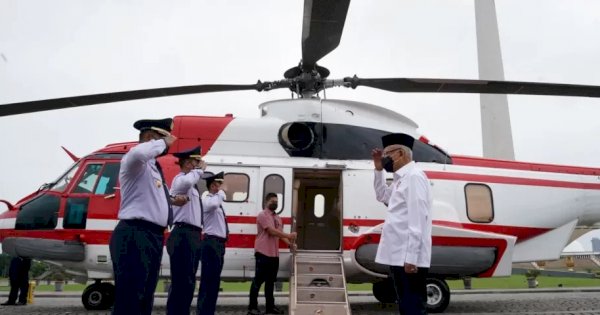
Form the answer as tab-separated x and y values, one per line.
136	249
411	290
213	257
265	272
16	286
183	247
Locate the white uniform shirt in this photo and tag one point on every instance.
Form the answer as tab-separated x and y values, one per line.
142	189
406	235
214	218
183	184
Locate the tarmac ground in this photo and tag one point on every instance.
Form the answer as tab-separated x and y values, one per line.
525	301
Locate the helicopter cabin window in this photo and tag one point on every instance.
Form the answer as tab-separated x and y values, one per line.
238	185
319	206
274	183
88	180
76	213
41	213
480	204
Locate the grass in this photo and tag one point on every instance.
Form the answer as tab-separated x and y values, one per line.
520	282
513	282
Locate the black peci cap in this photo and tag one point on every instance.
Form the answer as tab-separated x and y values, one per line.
398	138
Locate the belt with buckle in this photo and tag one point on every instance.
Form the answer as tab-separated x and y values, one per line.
213	237
187	226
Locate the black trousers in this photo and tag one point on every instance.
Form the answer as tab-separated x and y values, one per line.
266	272
136	250
18	284
183	247
213	257
411	290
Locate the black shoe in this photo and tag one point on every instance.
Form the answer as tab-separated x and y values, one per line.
21	303
274	310
8	303
254	311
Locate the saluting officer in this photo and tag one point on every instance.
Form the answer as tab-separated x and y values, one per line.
136	244
184	242
406	237
216	233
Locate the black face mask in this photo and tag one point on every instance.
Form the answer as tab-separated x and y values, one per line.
272	206
388	164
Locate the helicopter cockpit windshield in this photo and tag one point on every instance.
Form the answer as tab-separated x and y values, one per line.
62	182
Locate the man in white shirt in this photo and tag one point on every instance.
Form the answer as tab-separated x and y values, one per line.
406	237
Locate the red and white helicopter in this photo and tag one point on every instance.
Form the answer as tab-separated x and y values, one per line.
315	154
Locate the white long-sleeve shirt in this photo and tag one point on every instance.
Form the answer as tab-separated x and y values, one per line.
142	189
183	184
406	235
214	216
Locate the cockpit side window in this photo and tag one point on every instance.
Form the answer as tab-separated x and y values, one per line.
76	213
88	179
108	180
97	179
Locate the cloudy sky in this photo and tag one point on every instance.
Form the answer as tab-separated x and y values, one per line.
51	49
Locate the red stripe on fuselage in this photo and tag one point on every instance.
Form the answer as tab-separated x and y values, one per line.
508	180
521	232
523	166
247	240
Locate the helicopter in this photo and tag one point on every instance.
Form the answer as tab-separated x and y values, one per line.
301	149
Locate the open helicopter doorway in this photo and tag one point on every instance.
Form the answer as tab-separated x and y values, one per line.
317	211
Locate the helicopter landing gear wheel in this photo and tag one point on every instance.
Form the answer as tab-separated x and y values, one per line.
438	295
384	291
98	296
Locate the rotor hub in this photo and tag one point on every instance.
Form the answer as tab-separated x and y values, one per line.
306	83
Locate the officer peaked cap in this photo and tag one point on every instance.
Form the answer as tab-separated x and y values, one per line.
194	153
145	124
217	177
398	138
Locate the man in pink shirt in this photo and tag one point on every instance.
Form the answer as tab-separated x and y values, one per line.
266	247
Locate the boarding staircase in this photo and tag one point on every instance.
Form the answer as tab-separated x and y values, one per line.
318	284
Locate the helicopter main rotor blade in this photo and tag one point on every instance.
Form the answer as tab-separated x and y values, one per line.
85	100
321	29
474	86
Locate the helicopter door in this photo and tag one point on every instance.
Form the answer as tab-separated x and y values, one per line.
318	213
93	196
